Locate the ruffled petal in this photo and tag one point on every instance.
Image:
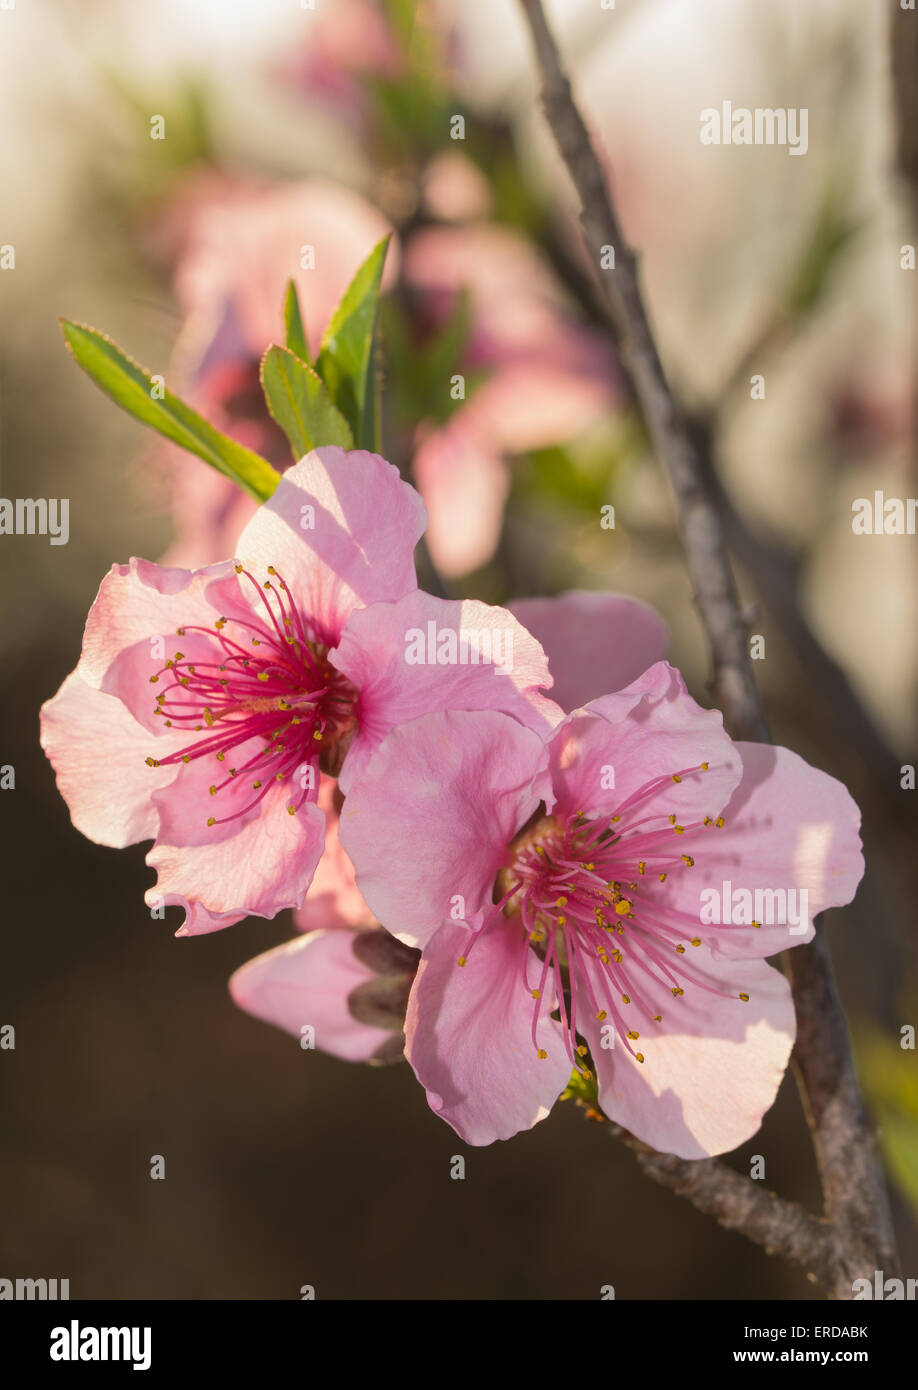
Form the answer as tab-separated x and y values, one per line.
651	734
341	529
98	751
260	861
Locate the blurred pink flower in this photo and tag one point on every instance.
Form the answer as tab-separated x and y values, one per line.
239	245
548	379
346	43
555	890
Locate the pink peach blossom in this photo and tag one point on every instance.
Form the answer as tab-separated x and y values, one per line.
206	703
554	888
548	378
239	247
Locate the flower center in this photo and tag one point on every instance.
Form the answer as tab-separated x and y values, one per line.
585	894
265	679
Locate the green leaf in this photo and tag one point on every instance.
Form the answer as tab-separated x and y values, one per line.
131	387
294	326
346	360
299	402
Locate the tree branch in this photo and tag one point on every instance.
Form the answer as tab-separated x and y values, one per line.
856	1203
739	1204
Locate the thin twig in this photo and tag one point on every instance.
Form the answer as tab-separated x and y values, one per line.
856	1203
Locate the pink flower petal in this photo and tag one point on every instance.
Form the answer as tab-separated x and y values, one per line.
652	729
787	827
468	1037
464	483
97	750
711	1068
305	983
259	862
380	653
463	784
137	603
596	642
341	530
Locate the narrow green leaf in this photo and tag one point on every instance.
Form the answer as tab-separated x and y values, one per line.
345	362
294	326
299	402
131	387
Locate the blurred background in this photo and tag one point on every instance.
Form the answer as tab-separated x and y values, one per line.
162	169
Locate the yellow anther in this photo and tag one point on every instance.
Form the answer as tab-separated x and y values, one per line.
212	790
154	680
720	822
211	820
537	994
291	810
662	878
582	1051
633	1035
681	949
152	762
696	940
626	998
745	998
639	1056
601	1015
688	861
180	632
642	865
461	960
541	1054
679	829
677	991
676	777
237	568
